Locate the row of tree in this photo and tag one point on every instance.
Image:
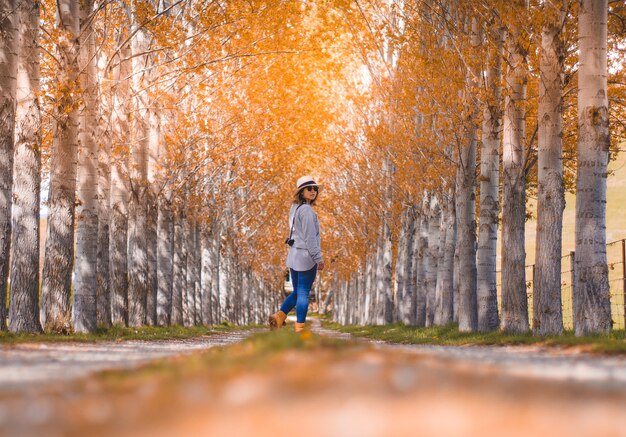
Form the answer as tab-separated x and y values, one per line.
166	136
509	98
159	129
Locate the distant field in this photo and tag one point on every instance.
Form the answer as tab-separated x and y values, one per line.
615	216
615	230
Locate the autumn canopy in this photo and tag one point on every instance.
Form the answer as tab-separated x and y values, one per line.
167	136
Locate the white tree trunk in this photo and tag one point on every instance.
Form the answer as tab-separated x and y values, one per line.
400	270
24	315
189	304
407	305
165	242
434	236
466	229
215	285
179	269
154	144
119	197
103	271
84	310
59	251
547	312
486	290
422	264
138	284
466	202
514	298
9	20
445	279
368	301
591	299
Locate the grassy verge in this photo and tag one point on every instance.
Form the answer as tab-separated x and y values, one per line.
117	333
614	343
256	352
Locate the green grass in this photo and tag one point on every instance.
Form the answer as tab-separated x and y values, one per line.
123	333
614	343
256	352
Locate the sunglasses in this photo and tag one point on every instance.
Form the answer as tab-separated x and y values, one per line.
312	189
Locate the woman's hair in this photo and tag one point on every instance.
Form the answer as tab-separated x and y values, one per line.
298	198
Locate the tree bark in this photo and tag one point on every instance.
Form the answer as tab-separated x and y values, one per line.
118	230
103	270
445	279
466	228
514	297
138	263
486	289
400	270
189	303
547	312
407	306
154	146
165	242
24	316
59	251
434	236
9	20
179	269
422	265
591	294
85	307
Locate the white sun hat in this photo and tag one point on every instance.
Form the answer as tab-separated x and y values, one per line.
305	181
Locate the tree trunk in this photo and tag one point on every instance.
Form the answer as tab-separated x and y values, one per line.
422	265
486	289
165	242
407	306
215	286
466	201
138	285
59	252
118	229
368	298
189	305
24	315
547	312
206	273
9	20
386	281
103	271
591	298
434	235
466	228
154	144
400	270
445	281
87	184
514	298
179	269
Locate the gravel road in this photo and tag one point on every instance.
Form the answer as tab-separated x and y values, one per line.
25	365
365	389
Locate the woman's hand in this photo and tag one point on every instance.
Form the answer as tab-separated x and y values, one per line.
320	266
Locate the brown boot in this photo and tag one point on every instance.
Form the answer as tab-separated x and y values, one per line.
277	320
300	327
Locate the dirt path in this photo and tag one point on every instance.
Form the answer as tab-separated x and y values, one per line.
25	365
544	363
324	388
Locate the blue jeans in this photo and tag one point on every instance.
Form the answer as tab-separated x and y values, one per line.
299	298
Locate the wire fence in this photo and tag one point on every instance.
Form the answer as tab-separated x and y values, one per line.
616	259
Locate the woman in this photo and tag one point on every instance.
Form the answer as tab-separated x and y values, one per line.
305	256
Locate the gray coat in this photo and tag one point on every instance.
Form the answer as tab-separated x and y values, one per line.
305	252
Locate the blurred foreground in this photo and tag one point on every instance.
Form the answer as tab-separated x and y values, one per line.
282	384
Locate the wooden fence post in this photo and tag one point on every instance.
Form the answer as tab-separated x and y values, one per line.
624	277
